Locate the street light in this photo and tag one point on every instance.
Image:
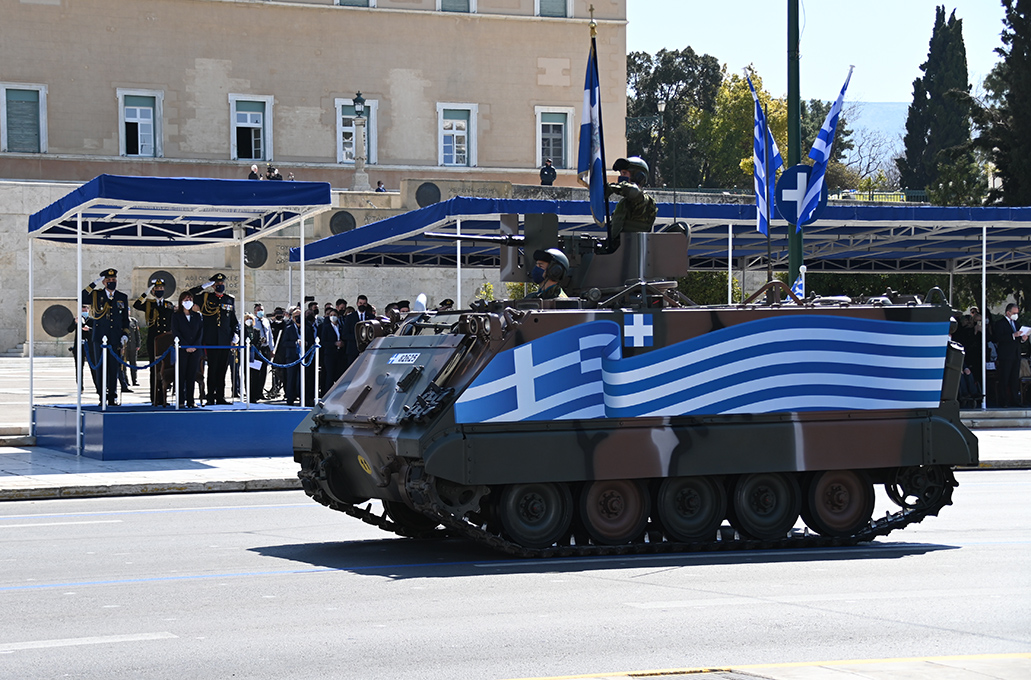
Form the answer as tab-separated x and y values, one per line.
361	178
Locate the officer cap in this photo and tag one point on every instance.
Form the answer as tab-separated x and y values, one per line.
218	278
109	272
157	282
447	302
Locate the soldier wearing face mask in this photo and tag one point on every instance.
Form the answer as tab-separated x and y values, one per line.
109	317
551	266
157	315
218	311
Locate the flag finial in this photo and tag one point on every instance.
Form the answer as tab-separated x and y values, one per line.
593	24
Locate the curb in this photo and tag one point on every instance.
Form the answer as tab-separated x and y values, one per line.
97	491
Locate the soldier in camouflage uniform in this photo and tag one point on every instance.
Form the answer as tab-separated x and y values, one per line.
636	210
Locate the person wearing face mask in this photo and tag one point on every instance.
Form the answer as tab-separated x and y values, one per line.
188	328
287	352
362	311
109	316
550	268
218	310
1007	339
253	333
86	327
331	359
157	315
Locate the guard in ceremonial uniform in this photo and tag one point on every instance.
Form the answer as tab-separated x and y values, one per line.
221	327
109	317
157	314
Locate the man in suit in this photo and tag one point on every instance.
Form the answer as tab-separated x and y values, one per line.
109	317
221	329
1007	341
331	339
362	312
287	353
157	314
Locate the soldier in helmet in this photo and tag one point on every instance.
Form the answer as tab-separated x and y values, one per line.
221	329
157	314
551	267
109	317
636	210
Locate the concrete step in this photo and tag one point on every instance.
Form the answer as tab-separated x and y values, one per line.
14	352
996	419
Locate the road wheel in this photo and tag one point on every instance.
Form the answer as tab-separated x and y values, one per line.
838	502
614	511
691	508
765	505
535	515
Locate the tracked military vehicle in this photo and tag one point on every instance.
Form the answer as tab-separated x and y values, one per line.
627	419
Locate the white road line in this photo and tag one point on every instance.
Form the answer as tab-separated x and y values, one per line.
75	642
59	524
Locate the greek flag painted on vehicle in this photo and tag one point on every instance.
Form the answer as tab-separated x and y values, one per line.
790	363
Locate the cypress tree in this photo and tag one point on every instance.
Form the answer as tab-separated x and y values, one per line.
939	117
1005	122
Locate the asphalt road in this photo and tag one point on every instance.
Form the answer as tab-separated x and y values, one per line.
271	585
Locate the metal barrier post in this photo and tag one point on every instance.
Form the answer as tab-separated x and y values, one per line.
175	374
103	369
245	384
318	367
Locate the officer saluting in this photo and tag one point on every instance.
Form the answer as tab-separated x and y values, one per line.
218	311
157	314
109	317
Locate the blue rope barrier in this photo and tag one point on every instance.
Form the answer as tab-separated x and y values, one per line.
134	367
309	355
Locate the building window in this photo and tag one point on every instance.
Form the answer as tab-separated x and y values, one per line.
553	8
346	133
139	122
554	139
456	138
357	3
251	127
23	118
456	5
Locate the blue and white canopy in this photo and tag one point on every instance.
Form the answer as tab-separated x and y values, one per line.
853	237
176	211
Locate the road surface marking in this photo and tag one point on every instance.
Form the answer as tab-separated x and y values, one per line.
75	642
59	524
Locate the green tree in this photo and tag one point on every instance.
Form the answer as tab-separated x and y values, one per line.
1004	118
726	135
939	117
687	83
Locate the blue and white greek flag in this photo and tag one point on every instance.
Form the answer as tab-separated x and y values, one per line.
764	186
820	153
798	287
790	363
590	166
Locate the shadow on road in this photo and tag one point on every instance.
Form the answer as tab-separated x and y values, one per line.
401	558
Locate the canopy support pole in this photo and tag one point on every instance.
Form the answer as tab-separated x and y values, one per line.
32	347
458	263
730	264
984	316
241	367
78	335
304	317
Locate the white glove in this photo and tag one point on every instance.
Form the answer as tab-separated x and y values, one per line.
236	339
125	339
209	284
150	291
98	282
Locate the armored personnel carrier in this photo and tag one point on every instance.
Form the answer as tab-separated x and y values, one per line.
625	418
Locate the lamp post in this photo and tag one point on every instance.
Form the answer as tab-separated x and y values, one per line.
361	178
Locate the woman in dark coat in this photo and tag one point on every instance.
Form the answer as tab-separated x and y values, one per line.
188	328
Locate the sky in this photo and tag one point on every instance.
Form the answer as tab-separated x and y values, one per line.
886	40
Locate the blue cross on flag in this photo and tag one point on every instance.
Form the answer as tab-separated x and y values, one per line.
637	330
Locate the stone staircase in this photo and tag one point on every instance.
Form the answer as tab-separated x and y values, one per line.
14	352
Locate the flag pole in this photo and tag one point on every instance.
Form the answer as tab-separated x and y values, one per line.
766	179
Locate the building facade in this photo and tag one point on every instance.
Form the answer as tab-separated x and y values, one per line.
208	88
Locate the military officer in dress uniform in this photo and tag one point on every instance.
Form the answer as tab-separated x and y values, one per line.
109	317
157	314
221	327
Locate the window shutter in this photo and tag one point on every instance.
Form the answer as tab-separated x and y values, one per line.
23	121
553	8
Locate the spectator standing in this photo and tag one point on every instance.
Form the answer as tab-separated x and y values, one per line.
380	189
254	173
331	338
1008	340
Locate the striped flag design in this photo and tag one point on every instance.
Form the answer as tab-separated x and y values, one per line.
791	363
820	153
590	166
764	184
